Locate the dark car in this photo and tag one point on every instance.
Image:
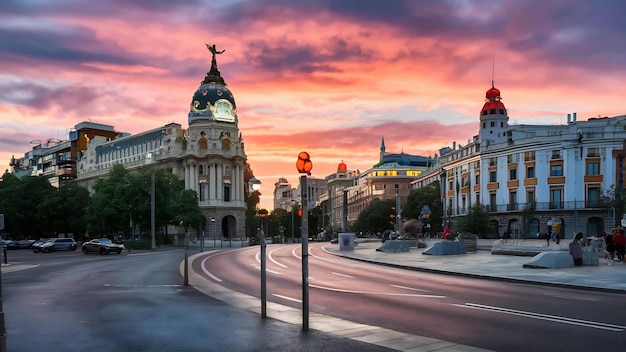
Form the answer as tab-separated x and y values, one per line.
10	244
56	244
25	243
102	246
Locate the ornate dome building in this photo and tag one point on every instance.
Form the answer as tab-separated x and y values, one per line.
209	156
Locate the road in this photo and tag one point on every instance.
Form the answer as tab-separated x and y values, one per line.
483	313
68	301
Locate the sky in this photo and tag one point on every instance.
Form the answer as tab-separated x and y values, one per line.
330	77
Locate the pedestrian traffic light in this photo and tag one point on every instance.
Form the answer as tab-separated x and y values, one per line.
299	212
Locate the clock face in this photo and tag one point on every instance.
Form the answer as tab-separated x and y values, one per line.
224	111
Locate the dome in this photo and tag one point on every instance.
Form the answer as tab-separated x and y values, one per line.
342	167
493	104
492	93
213	100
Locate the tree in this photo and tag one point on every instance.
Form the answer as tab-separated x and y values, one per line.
377	217
21	202
428	195
476	221
66	208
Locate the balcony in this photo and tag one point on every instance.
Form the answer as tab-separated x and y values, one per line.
544	206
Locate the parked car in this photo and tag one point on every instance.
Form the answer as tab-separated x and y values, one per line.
56	244
25	243
10	244
102	246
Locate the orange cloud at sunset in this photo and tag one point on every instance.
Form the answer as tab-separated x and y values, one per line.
328	77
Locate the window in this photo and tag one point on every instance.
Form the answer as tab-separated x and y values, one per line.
201	170
530	172
513	200
556	154
226	170
492	202
227	193
396	186
530	196
493	176
556	170
493	124
593	168
512	174
555	198
593	197
593	152
493	162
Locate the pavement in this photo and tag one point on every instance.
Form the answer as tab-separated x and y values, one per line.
480	264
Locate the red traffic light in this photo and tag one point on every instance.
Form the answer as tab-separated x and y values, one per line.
299	212
304	163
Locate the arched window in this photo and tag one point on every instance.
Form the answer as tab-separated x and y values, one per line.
203	144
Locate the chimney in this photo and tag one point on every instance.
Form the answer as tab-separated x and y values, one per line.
569	116
574	119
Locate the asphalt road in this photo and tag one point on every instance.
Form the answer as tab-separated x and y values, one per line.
68	301
493	315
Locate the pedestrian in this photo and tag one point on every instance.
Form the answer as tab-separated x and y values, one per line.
619	242
610	248
576	250
555	236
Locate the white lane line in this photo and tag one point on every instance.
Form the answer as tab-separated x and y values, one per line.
204	269
268	270
575	298
287	298
342	275
274	261
554	318
293	252
374	293
409	288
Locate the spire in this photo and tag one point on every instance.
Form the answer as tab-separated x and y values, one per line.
213	76
382	145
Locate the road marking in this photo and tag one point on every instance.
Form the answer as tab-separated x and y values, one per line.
274	261
554	318
375	293
208	273
342	275
575	298
268	270
409	288
287	298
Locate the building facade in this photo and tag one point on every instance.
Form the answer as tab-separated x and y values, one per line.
208	155
533	177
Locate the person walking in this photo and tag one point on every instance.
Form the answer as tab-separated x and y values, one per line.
619	242
610	248
576	250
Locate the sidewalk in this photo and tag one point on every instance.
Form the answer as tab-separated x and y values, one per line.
483	264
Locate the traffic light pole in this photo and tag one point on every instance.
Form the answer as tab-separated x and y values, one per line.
305	255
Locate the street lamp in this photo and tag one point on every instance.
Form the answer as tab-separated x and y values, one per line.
304	166
293	202
255	185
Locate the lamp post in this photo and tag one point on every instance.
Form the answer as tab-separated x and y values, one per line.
292	221
304	166
255	185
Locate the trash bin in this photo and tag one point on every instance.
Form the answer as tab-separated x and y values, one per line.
346	241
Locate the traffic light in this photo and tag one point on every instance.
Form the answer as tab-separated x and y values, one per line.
299	212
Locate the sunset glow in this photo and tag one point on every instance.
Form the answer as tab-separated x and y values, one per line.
329	77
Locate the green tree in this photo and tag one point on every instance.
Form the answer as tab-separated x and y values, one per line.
21	202
378	217
428	195
475	222
66	208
